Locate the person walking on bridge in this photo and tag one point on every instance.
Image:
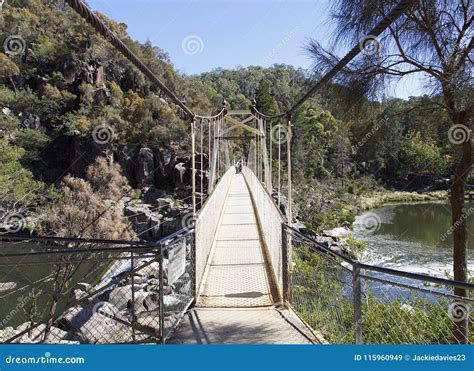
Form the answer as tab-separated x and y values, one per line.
238	167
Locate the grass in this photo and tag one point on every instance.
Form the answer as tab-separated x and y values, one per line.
322	295
380	198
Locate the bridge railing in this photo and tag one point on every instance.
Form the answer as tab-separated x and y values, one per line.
207	220
65	290
350	302
270	221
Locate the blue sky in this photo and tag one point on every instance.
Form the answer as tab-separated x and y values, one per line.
201	35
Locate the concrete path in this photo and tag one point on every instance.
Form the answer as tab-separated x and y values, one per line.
236	303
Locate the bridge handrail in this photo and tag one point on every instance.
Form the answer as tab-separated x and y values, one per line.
368	267
269	219
207	220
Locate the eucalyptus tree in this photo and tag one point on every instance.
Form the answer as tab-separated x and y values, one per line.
434	39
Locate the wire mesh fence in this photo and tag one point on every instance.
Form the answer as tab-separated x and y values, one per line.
90	291
207	221
270	219
350	302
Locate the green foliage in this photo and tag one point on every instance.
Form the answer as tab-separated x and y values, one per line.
317	132
32	141
339	214
421	155
265	102
19	189
354	244
321	296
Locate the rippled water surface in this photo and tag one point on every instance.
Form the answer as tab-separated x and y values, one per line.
414	237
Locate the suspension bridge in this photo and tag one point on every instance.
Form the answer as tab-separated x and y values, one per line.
240	272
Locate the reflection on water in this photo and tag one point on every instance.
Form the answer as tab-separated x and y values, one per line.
414	237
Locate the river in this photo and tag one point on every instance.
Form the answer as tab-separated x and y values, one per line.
413	237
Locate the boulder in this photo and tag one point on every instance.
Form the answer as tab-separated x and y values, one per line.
155	288
337	232
150	321
36	334
171	225
6	334
183	284
145	171
154	232
84	286
7	286
300	227
163	157
126	158
74	318
139	216
100	329
150	271
151	301
78	295
180	167
151	195
121	297
29	121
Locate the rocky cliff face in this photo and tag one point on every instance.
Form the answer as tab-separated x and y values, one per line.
143	166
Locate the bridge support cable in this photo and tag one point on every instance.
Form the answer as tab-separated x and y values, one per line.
201	173
193	161
99	25
356	50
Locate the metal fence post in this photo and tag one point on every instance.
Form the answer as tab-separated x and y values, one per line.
285	264
132	263
194	245
357	303
161	284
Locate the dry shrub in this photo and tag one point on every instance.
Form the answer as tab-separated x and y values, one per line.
106	179
90	209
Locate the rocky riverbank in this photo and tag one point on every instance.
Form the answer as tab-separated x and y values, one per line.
126	310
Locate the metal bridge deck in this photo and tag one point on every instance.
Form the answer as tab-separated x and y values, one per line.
236	303
236	276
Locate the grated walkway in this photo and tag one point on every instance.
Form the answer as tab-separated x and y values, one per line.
236	304
236	276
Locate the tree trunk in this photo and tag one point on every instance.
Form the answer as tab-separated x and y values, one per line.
52	312
460	238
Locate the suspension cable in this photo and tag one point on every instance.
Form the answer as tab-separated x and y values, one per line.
402	6
376	31
100	26
202	163
279	165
